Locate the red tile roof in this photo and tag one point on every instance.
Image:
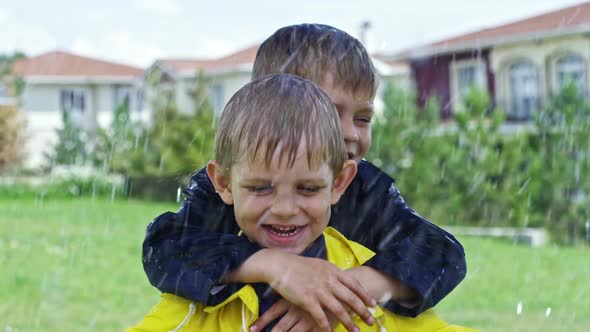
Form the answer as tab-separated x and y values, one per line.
244	56
560	19
59	63
233	60
564	21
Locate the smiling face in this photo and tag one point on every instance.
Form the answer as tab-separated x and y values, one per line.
356	112
282	206
280	159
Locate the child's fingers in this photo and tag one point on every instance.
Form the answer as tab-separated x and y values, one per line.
287	322
355	286
319	316
339	311
274	312
304	325
352	301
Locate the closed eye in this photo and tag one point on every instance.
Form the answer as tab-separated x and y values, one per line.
365	119
260	190
310	190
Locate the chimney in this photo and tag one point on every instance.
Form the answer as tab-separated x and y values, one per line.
365	25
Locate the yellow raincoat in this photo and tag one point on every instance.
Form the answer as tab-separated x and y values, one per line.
240	310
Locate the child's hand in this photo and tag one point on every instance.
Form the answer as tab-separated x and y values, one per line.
314	285
294	319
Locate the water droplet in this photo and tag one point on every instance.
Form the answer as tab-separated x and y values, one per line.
548	312
519	308
113	193
178	192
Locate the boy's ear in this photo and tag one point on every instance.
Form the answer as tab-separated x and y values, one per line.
342	180
220	179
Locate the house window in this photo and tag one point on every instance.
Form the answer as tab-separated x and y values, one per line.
216	98
572	68
121	95
139	100
72	101
524	90
465	76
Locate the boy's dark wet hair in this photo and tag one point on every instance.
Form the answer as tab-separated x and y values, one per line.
314	50
277	112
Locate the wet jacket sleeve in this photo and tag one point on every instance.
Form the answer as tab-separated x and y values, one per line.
186	253
409	248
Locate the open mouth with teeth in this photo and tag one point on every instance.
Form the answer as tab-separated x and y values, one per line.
284	235
350	155
283	231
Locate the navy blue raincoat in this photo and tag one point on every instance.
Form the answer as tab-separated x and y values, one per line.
188	252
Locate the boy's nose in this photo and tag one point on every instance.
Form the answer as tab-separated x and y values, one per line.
284	206
348	130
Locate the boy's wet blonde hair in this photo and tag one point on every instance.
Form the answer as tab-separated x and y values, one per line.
314	50
276	112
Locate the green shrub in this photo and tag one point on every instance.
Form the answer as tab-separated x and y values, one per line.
175	144
469	172
12	123
562	141
65	182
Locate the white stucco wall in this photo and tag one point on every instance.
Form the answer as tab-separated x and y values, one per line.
230	83
226	83
105	94
41	105
41	135
184	101
542	53
45	97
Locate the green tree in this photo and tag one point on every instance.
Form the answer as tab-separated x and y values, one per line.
406	145
486	169
71	147
390	128
563	169
12	123
462	172
176	143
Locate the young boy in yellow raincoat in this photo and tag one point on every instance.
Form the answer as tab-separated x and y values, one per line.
280	160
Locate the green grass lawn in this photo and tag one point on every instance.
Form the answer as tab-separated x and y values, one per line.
75	266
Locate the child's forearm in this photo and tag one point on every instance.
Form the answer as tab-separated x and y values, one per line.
383	287
257	268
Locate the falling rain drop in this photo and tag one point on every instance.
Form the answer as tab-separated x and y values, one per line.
113	193
519	308
161	163
548	312
178	192
523	186
136	143
41	199
145	144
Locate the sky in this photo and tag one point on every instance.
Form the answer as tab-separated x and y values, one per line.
137	32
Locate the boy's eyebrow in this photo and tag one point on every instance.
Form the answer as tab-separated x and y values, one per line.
318	179
369	107
254	179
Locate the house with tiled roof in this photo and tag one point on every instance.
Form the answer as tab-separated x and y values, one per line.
225	76
520	64
89	89
229	73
